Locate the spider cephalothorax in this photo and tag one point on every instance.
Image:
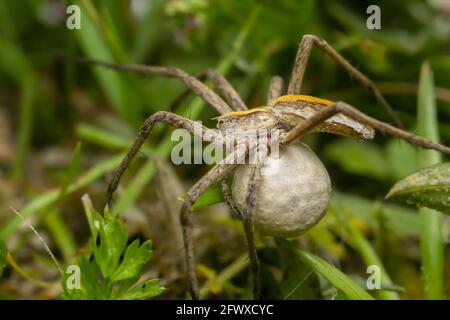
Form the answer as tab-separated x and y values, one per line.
255	119
288	113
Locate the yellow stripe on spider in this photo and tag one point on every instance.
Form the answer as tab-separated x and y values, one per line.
243	113
302	98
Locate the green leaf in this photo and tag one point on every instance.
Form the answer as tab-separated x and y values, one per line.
135	257
212	196
113	239
3	251
401	158
429	187
336	277
92	216
356	157
89	282
106	138
148	289
102	277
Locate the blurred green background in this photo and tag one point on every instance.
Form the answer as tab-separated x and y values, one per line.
49	103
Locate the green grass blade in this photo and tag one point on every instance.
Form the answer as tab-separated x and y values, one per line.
102	137
108	139
370	256
72	171
53	219
25	126
115	84
3	251
61	234
432	246
15	65
335	276
147	33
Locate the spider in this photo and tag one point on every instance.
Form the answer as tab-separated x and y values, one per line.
291	113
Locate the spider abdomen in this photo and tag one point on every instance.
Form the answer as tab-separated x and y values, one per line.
292	195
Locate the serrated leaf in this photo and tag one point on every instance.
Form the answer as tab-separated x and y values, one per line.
3	251
102	276
121	287
113	239
148	289
135	258
89	282
429	187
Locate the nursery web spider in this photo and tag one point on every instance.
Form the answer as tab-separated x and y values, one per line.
294	114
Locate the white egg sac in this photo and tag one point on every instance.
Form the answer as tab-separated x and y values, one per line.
293	192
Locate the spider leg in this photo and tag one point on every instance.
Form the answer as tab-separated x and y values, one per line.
301	60
144	131
275	89
341	107
223	87
216	174
191	82
229	199
248	215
